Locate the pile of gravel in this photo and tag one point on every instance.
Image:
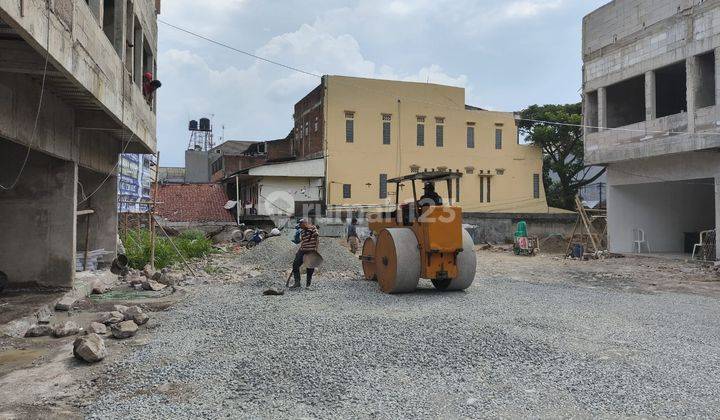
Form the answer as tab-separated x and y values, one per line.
268	264
344	350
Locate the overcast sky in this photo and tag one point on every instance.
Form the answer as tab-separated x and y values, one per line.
507	53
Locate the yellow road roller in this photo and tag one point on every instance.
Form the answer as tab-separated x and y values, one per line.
421	239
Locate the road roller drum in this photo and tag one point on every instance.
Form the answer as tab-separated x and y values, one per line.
397	258
368	258
423	238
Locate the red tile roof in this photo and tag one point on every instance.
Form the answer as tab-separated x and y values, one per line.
193	203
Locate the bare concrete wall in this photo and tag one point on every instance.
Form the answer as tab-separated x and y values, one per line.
103	223
56	132
500	228
664	210
37	219
82	53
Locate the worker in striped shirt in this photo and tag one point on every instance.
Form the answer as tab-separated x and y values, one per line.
309	242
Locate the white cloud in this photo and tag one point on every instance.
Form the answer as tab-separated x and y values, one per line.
454	42
529	8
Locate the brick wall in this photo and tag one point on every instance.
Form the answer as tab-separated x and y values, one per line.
280	149
309	125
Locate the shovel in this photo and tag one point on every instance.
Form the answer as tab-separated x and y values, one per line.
311	259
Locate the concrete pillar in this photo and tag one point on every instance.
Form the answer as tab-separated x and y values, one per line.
37	220
120	16
717	82
138	51
97	6
650	96
602	108
129	37
693	75
103	223
717	217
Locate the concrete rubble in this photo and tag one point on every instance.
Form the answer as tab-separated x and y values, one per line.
65	329
97	328
125	329
109	318
39	331
66	303
90	348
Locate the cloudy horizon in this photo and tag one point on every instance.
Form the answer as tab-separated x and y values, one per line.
508	54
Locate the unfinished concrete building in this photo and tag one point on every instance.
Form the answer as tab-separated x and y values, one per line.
70	101
652	98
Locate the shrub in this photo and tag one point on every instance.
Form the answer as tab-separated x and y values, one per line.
192	244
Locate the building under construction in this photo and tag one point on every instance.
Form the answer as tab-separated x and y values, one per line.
71	102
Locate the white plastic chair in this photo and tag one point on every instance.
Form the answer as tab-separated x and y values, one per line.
703	242
639	240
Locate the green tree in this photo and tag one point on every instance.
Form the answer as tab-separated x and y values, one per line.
564	170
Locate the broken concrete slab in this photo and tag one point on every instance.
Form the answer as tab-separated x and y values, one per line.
153	285
66	303
39	331
97	328
120	308
109	318
135	313
65	329
125	329
44	315
90	348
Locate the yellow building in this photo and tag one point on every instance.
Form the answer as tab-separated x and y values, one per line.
375	130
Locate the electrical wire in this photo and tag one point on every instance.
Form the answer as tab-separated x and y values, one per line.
31	141
222	44
410	99
112	171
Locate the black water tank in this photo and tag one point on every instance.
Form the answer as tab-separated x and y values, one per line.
193	125
204	124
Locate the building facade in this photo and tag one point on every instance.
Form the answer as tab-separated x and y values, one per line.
70	103
651	100
376	130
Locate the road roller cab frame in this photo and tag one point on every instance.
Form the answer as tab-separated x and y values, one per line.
417	240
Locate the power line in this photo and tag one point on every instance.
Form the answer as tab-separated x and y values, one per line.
31	141
222	44
109	174
410	99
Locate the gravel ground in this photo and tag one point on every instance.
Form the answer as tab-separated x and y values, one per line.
506	347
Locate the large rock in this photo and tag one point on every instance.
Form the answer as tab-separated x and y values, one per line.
141	319
136	314
90	348
97	328
171	278
66	303
120	308
135	279
125	329
109	318
65	329
39	331
153	285
44	315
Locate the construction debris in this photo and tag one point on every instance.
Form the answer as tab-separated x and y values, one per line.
90	348
125	329
39	331
152	285
65	329
109	318
135	314
97	328
273	292
66	303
